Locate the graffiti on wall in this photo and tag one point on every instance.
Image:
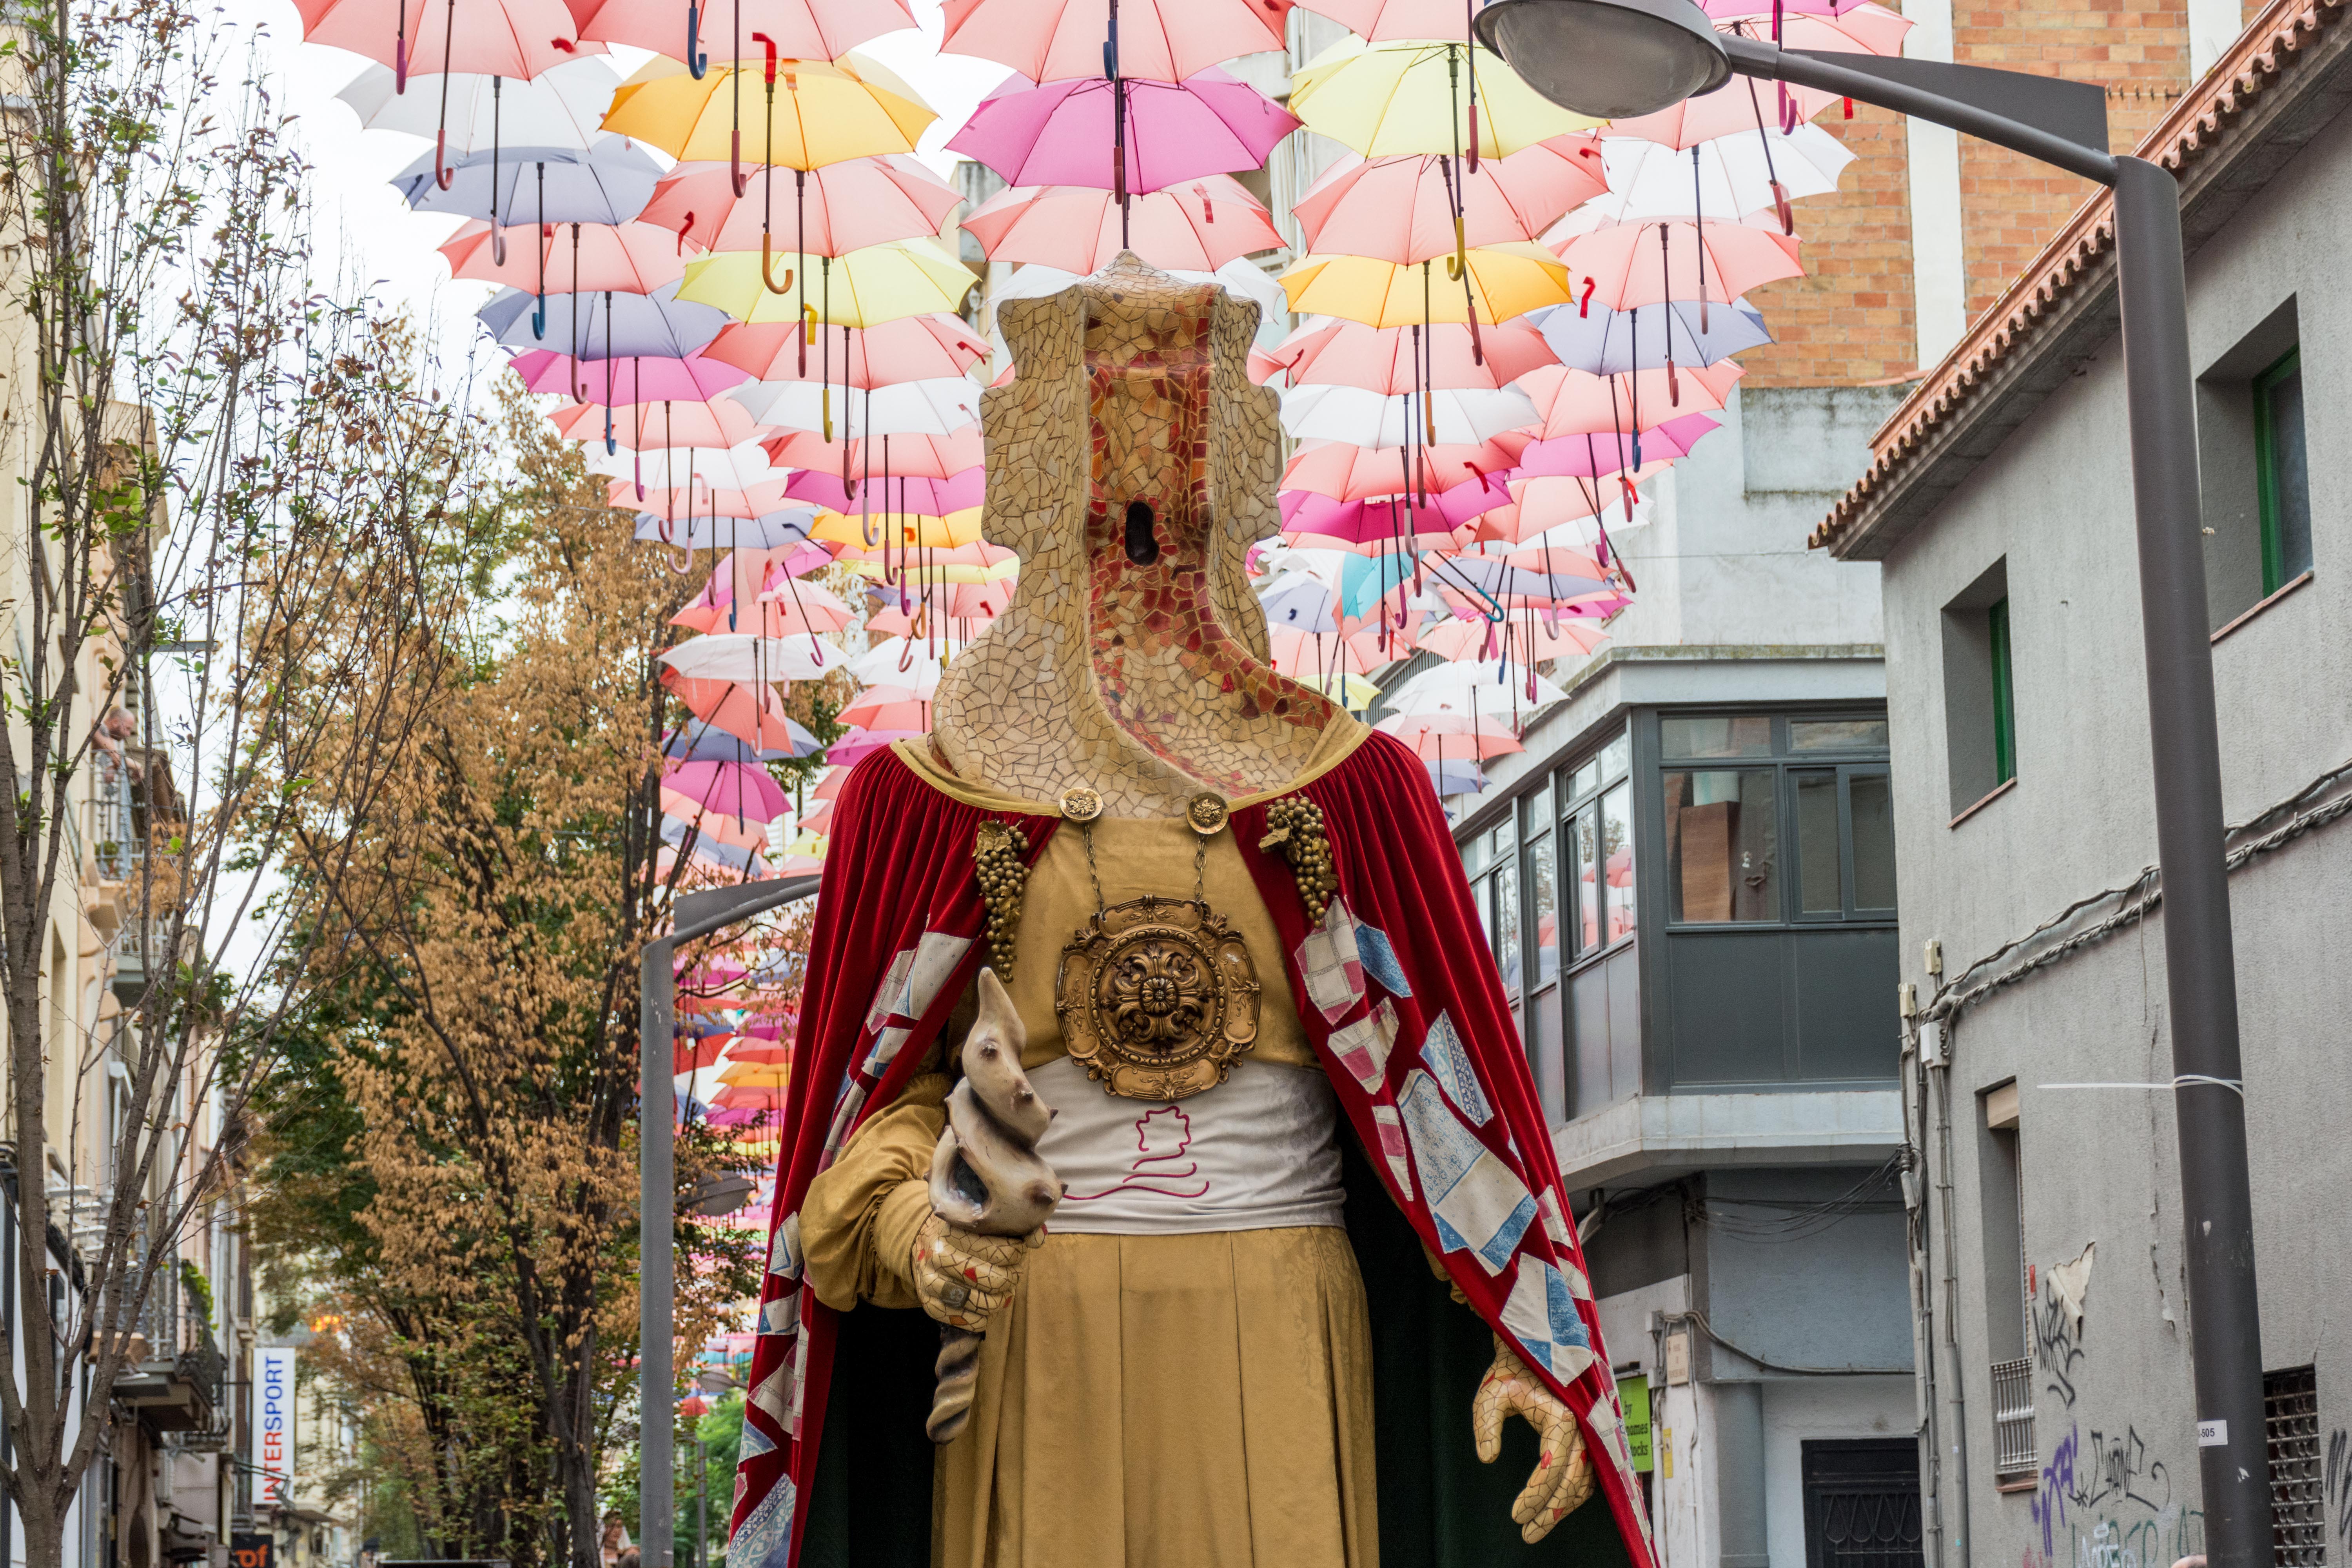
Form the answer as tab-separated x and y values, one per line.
2339	1485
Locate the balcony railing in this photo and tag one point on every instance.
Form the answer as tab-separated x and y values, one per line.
118	822
175	1374
2013	1457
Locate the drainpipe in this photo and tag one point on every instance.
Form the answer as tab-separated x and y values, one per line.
1936	1041
1917	1242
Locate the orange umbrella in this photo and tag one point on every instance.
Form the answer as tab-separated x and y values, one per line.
755	715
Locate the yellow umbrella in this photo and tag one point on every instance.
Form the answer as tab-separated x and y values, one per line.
1506	280
904	528
1390	100
975	563
758	1075
1347	690
822	114
863	288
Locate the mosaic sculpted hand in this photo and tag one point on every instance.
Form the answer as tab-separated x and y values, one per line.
1563	1474
964	1278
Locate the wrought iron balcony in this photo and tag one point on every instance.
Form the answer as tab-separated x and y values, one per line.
174	1375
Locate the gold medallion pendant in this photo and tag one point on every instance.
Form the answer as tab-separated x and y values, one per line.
1157	996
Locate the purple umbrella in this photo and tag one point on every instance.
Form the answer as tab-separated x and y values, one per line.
1597	455
604	325
1060	133
923	497
731	789
1678	331
693	379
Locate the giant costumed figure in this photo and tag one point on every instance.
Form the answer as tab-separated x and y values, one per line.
1177	952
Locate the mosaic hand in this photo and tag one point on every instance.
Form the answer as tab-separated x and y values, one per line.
964	1278
1563	1474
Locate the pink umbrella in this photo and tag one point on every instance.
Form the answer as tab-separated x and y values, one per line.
912	348
834	209
1437	736
493	37
1579	403
1388	21
696	377
1419	208
1066	132
1195	226
1853	29
1736	106
923	497
1523	639
730	789
787	615
1158	40
1599	454
1363	527
574	257
911	457
1381	359
648	426
888	708
801	29
699	499
1635	264
1358	473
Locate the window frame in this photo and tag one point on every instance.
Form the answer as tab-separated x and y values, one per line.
1570	807
2270	523
2004	693
1847	763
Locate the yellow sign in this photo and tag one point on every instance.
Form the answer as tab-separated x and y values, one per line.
1633	1398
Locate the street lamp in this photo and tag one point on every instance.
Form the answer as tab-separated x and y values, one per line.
697	915
1622	58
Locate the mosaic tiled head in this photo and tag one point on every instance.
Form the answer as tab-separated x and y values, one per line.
1131	465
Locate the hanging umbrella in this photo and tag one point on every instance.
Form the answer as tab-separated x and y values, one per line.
927	497
572	258
1418	208
700	742
1499	579
1736	107
1864	28
1389	21
651	427
484	38
1599	454
1505	280
824	113
1158	40
904	529
1577	403
754	714
1063	132
607	183
1448	415
833	210
863	288
888	708
1199	224
770	531
726	656
657	379
738	790
705	468
563	106
1472	687
1607	342
911	348
1382	359
801	30
1390	100
914	408
1370	527
604	325
1242	280
915	457
1728	178
1440	736
1532	639
1648	263
1346	472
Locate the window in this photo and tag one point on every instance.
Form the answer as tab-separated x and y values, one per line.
2298	1503
2282	487
2001	1188
1980	736
1803	831
1598	831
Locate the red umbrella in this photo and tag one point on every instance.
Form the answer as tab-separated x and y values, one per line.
1577	403
1437	736
1389	21
801	29
1733	108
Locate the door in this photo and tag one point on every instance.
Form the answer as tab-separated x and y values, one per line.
1862	1503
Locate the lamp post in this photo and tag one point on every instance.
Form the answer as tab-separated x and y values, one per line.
697	915
1622	58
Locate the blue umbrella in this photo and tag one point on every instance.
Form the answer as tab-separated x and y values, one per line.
605	325
610	183
1613	343
702	742
772	531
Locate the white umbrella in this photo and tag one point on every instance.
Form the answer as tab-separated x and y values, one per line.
1298	601
1465	416
712	467
561	107
1482	687
743	656
879	666
939	407
1733	175
772	531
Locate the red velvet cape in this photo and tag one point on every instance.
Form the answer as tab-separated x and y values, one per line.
1400	998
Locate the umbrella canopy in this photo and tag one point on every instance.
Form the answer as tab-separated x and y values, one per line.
898	527
912	348
659	379
740	657
607	183
707	468
1478	686
863	288
1403	209
824	211
1728	177
1577	403
563	106
1390	100
928	497
1242	280
1159	40
1444	737
1608	343
1737	106
1381	359
572	258
1388	21
914	408
739	789
1598	454
1346	472
1449	416
1200	225
649	426
1390	523
1061	133
1852	29
888	708
915	457
802	29
1532	639
596	326
754	714
770	531
1648	263
1505	281
700	742
484	37
822	114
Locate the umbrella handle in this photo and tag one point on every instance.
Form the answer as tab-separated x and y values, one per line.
767	270
442	176
770	67
698	62
539	319
735	163
497	244
827	396
1584	306
399	61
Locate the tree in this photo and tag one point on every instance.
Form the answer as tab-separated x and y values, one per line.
212	465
